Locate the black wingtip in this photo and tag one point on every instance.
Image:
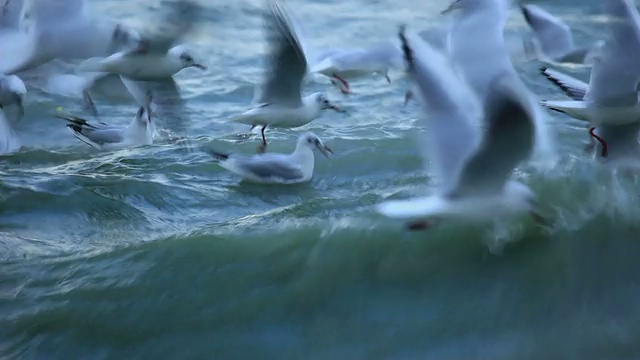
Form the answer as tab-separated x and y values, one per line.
217	155
75	127
406	49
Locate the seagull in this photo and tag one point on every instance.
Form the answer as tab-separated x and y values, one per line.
477	49
611	97
104	137
342	64
59	29
293	168
158	55
279	102
553	38
12	92
474	171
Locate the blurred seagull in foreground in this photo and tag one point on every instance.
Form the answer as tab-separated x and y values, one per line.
293	168
279	102
474	171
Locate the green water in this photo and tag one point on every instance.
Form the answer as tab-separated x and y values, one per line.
156	253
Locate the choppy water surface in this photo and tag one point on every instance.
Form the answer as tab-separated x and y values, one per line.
157	253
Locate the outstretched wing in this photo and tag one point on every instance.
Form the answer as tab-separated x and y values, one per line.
509	139
286	63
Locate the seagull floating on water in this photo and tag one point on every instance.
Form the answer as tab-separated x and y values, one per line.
279	102
108	137
473	171
293	168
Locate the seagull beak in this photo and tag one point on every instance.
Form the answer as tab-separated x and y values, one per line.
199	66
325	150
453	6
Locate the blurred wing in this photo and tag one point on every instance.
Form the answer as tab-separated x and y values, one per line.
615	73
51	12
17	49
166	98
452	134
552	33
509	139
574	88
11	14
179	19
269	168
287	64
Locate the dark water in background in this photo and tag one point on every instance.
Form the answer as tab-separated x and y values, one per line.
154	253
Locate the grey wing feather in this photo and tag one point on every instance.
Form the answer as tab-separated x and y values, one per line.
271	168
178	20
287	64
103	136
508	140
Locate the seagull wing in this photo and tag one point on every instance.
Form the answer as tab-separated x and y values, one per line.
453	131
287	64
615	75
11	14
509	139
552	33
179	19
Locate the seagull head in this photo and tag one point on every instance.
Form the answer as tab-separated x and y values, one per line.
324	103
185	58
312	141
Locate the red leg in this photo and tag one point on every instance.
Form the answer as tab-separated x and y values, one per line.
604	151
346	89
263	147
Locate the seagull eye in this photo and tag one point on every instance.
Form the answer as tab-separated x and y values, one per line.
310	140
317	142
187	58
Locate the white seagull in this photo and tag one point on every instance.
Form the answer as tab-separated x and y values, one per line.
340	65
158	54
279	102
553	39
611	97
474	171
293	168
105	137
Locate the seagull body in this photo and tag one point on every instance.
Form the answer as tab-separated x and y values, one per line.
473	171
143	66
293	168
611	97
279	102
553	38
104	137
